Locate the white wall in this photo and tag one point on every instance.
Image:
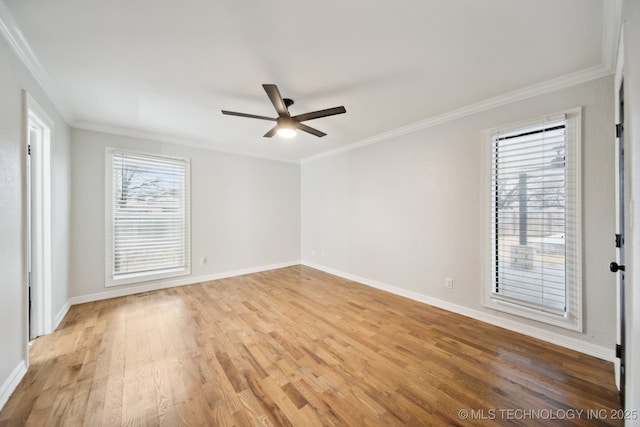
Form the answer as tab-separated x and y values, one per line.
14	77
245	211
631	15
61	217
406	212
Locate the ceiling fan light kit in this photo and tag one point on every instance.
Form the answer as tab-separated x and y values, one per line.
286	131
286	124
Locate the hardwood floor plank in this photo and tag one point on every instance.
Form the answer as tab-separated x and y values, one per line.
294	347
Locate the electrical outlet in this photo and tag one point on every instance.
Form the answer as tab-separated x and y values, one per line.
448	283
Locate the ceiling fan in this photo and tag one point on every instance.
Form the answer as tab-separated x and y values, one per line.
286	124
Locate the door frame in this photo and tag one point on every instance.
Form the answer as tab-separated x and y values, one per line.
38	200
619	79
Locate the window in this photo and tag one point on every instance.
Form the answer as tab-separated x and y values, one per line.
148	231
534	227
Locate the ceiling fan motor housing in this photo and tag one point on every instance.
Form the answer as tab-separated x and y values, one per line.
286	122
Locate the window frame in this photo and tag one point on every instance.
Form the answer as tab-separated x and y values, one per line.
110	278
573	317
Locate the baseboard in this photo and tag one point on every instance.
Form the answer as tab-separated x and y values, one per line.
512	325
170	283
11	383
60	315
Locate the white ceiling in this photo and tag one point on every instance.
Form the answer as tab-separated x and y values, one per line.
165	69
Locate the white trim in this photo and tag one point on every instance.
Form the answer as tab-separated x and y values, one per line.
42	316
185	270
611	25
619	75
574	317
12	34
534	122
499	101
201	144
60	315
512	325
163	284
11	383
612	14
552	85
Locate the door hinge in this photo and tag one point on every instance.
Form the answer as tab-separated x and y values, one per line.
29	149
618	351
618	240
619	129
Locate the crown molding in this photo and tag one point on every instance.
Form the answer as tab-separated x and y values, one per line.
202	144
488	104
612	18
611	30
501	100
12	34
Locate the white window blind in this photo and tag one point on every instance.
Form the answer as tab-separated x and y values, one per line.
148	220
535	218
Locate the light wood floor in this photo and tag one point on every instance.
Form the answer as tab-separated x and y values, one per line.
297	347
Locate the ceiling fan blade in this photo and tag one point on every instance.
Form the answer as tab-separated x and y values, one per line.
320	113
276	99
310	130
271	132
251	116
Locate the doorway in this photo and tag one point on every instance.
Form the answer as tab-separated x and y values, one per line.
38	133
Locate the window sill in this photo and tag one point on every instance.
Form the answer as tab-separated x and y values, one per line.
566	322
145	277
